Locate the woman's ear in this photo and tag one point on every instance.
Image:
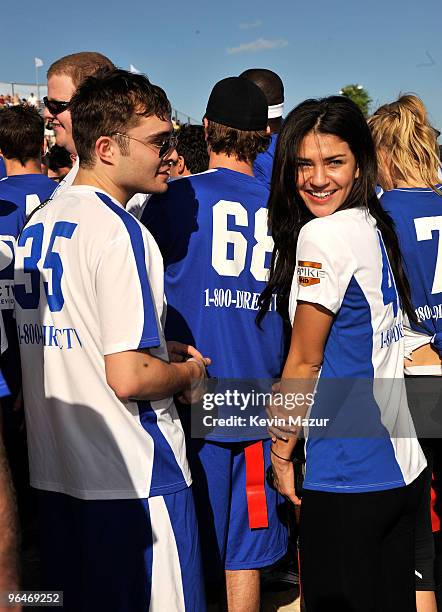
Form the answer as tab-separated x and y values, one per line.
357	172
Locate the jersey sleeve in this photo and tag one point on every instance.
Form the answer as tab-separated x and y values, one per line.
126	308
324	266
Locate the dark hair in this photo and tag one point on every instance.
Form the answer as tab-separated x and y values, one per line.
21	133
109	102
58	157
245	145
269	83
341	117
79	66
192	146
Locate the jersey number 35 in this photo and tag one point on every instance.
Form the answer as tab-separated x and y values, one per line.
31	272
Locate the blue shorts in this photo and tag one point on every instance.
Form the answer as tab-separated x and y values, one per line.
133	555
219	487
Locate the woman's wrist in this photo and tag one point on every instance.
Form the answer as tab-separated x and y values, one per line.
281	454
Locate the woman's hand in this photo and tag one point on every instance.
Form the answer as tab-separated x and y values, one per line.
284	477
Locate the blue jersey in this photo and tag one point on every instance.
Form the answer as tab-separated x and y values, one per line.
263	165
2	168
369	442
417	214
19	196
212	231
26	191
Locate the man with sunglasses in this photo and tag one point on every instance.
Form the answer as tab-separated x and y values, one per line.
64	76
106	446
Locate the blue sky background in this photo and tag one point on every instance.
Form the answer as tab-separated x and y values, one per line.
317	46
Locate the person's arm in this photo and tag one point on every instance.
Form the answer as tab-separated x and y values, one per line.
310	331
131	335
139	375
323	272
8	531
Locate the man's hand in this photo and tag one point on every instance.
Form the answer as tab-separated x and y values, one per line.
197	389
179	352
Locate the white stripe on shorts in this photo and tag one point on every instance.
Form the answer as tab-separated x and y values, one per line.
167	588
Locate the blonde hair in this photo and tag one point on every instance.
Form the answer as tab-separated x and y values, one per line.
401	130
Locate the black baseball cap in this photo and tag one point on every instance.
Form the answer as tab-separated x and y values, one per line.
238	103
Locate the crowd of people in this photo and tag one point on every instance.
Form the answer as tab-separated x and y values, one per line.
146	270
15	100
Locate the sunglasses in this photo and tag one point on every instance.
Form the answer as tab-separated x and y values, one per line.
55	107
168	144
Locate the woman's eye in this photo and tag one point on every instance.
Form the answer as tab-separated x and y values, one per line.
336	162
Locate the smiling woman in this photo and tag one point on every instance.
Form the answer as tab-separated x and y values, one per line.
326	173
337	272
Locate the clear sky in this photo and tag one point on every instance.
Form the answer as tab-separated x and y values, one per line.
316	46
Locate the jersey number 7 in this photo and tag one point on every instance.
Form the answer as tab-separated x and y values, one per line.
424	231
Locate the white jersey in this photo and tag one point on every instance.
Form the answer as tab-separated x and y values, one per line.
88	283
371	444
135	205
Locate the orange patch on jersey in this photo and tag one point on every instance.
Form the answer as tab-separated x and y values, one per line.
309	273
305	282
310	264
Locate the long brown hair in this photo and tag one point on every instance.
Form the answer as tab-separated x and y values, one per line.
341	117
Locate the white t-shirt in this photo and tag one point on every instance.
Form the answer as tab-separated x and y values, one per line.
32	101
371	443
89	282
135	205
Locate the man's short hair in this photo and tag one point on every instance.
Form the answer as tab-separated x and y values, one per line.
58	157
269	83
21	133
192	146
79	66
244	145
110	102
